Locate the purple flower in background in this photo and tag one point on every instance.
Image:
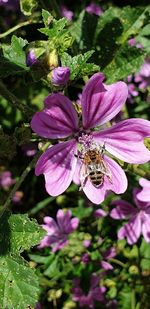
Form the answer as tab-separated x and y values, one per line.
107	255
132	42
57	232
31	58
132	92
10	4
139	219
65	12
144	194
6	179
62	163
85	258
60	76
143	77
29	149
94	8
96	292
99	213
17	197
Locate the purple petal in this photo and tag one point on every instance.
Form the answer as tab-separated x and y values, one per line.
76	176
117	185
125	140
146	228
106	265
99	213
144	194
123	210
144	182
58	119
66	224
73	224
58	165
63	219
131	230
101	103
140	204
50	225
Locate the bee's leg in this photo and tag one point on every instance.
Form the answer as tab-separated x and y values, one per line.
103	148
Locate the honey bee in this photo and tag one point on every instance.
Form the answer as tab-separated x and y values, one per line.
94	167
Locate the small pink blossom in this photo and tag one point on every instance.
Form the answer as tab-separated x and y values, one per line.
144	194
139	219
65	12
57	232
62	163
107	255
6	179
95	293
132	42
94	8
143	77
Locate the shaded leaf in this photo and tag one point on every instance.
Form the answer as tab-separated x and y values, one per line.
27	6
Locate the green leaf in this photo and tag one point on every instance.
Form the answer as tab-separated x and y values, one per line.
114	54
126	61
78	64
47	17
19	285
57	28
27	6
59	37
22	233
83	30
145	254
14	53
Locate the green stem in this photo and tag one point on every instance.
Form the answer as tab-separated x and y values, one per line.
13	100
118	262
133	300
21	179
9	31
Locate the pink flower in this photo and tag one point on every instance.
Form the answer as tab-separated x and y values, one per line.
6	179
143	77
107	255
93	8
132	42
96	293
144	194
63	162
57	232
139	219
65	12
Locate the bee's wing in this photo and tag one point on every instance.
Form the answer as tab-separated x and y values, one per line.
83	175
103	168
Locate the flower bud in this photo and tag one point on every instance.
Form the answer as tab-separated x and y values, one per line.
31	58
60	76
52	59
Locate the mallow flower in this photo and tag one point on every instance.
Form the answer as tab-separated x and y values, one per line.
144	194
139	218
57	232
95	293
63	162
